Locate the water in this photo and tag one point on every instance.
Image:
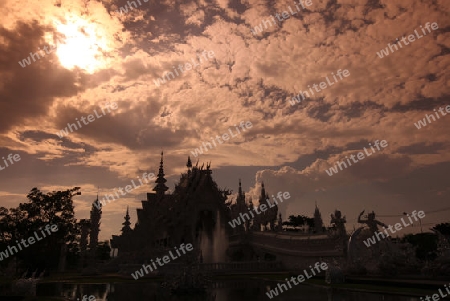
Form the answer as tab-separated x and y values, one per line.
233	290
213	248
220	243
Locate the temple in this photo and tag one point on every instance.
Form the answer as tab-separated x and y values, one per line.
189	215
198	212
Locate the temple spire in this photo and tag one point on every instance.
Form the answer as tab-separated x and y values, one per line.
160	187
263	191
189	165
126	225
241	196
318	223
240	187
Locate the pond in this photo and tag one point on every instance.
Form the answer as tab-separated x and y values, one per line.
230	290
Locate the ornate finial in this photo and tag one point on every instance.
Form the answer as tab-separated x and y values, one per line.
161	187
189	163
240	187
263	192
126	225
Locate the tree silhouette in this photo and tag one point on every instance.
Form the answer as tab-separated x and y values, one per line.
299	220
103	250
444	228
19	223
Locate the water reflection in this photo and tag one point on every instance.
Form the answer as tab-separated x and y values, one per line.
236	290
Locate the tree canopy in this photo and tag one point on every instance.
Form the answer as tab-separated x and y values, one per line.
19	223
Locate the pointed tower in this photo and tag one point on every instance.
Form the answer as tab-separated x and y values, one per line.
189	165
208	169
263	191
240	198
126	225
160	187
249	224
318	223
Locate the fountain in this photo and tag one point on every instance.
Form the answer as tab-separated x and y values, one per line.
213	247
220	241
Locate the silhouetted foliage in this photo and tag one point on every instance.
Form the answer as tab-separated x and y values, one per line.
425	243
103	250
42	209
299	220
444	228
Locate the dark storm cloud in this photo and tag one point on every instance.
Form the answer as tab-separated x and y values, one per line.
357	109
164	25
422	148
27	92
320	111
130	127
38	136
422	104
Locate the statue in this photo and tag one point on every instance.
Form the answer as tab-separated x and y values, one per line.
382	256
280	223
339	223
371	222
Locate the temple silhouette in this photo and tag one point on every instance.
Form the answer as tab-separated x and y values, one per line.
198	212
188	215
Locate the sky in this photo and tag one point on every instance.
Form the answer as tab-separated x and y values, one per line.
107	59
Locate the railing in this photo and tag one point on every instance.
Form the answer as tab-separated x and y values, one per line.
226	267
301	244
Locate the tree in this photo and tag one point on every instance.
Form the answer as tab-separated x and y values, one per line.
103	250
425	243
295	221
443	228
299	220
28	218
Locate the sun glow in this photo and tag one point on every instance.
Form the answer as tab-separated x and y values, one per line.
81	45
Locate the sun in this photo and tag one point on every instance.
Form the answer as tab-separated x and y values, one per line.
80	45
